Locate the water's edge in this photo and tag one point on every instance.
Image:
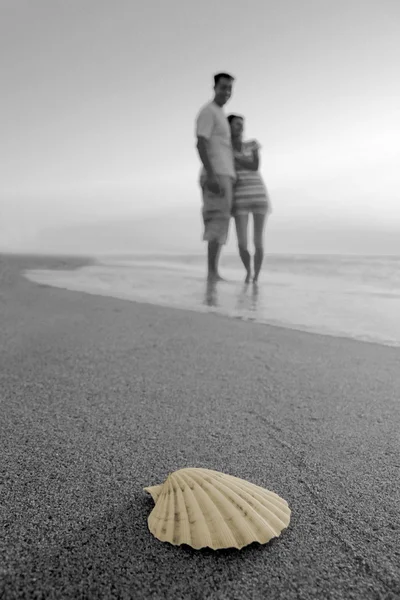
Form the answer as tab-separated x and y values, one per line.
55	279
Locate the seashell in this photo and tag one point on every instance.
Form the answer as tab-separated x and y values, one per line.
205	508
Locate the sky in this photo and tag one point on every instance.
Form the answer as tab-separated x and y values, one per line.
99	100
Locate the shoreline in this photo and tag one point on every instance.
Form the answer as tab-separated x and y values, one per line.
207	311
30	275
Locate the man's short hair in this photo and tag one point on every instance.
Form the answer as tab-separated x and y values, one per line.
231	117
219	76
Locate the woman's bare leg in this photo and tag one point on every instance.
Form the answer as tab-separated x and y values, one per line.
259	223
241	222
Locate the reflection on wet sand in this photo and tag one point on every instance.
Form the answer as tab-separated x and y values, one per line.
255	297
247	297
211	297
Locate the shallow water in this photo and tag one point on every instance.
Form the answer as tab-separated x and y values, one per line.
356	297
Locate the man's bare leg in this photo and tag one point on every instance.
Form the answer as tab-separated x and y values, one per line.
214	251
218	277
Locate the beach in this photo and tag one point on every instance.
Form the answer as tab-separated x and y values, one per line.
102	396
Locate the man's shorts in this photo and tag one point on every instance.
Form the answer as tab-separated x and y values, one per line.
217	209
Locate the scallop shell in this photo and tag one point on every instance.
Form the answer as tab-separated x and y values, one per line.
205	508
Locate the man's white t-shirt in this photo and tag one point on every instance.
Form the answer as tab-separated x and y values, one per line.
212	124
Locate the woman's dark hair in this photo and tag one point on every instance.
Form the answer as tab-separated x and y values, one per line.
231	117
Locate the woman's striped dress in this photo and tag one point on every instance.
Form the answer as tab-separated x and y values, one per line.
250	192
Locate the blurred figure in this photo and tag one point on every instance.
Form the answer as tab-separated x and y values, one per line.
218	173
250	196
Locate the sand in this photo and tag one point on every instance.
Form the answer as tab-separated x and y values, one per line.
101	397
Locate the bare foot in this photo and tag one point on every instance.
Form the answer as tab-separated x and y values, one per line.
248	277
214	277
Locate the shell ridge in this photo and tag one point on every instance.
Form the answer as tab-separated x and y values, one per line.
159	523
261	494
160	511
237	534
266	509
254	517
181	526
262	500
262	491
189	491
171	524
207	500
220	513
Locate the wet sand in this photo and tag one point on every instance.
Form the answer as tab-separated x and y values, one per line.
101	397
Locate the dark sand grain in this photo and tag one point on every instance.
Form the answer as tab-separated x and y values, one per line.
101	397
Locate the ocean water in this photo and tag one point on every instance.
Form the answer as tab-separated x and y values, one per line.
346	296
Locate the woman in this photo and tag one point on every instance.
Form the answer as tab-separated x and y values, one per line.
250	196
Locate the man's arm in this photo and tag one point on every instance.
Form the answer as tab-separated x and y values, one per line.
204	129
202	148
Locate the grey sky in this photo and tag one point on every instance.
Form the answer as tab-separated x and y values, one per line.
99	100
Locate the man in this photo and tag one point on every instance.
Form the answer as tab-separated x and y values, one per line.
218	173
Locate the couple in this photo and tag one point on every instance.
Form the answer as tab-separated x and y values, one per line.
230	181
